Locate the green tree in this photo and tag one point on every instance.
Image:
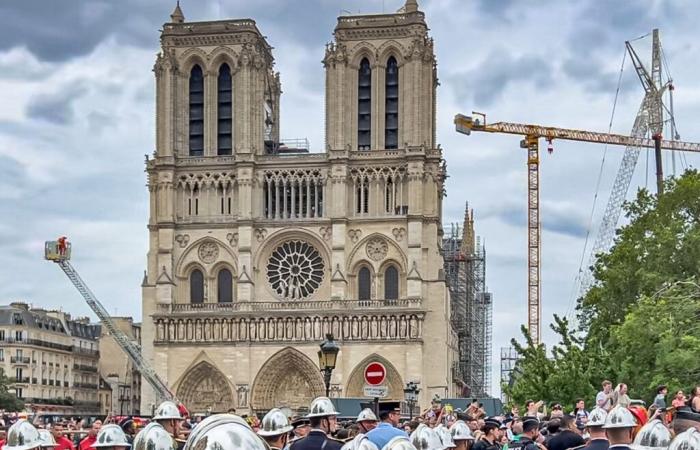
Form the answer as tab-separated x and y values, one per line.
8	400
659	340
660	245
564	375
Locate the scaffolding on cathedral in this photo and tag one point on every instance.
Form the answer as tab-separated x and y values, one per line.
509	359
465	271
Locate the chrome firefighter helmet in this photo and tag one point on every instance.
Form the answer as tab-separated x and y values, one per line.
619	417
445	436
140	438
596	418
460	431
274	423
652	436
22	435
360	442
47	439
399	443
366	415
687	440
111	436
158	438
322	407
167	411
224	432
425	438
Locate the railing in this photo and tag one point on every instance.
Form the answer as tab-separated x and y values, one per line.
84	368
301	305
20	359
205	160
37	342
85	385
23	380
86	351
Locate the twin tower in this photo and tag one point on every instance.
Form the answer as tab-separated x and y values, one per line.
258	248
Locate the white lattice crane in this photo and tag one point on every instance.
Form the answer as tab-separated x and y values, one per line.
531	136
59	252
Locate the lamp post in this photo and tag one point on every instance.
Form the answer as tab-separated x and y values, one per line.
410	394
327	356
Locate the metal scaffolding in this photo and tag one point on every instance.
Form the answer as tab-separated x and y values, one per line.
509	358
465	271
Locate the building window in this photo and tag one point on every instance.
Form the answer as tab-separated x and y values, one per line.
196	286
362	196
18	336
364	284
391	283
225	286
364	106
2	335
224	111
391	106
2	355
196	111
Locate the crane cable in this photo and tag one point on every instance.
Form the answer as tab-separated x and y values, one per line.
578	278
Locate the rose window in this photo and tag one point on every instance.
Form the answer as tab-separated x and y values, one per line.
295	270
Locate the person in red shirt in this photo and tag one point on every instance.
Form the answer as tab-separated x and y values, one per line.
86	444
62	442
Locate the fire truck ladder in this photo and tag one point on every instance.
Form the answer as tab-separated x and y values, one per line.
62	257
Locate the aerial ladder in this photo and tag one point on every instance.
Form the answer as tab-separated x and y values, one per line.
531	137
59	251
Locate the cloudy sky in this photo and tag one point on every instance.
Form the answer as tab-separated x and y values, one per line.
77	116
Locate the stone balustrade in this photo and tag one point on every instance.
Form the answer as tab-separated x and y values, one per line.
296	305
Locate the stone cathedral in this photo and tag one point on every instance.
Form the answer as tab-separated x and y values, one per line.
258	247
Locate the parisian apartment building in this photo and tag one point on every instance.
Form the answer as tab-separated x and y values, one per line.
53	362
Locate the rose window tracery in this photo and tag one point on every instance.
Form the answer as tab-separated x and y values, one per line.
295	270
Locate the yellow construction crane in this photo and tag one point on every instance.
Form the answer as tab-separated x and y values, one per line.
531	136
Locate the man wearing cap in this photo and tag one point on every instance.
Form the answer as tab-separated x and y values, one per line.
389	414
322	419
684	419
619	427
366	421
526	441
275	429
491	435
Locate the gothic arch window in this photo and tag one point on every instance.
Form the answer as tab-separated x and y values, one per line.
391	106
224	284
364	106
196	286
196	111
224	111
391	283
364	284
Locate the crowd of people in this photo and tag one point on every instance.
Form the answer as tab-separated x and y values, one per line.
616	422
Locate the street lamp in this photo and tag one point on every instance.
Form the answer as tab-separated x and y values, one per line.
327	357
410	394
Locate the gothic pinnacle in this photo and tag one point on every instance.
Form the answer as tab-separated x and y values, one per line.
177	16
411	6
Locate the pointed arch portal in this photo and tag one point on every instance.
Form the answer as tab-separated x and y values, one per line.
288	379
205	387
393	381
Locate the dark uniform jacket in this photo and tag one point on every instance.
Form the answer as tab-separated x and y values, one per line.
564	440
483	444
525	443
316	440
596	444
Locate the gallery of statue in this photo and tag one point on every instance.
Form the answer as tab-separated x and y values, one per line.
259	247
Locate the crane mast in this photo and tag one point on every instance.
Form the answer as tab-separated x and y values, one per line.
649	118
60	254
531	136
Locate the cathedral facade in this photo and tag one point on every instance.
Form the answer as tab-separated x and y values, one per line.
258	248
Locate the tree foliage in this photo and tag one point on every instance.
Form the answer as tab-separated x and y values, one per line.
639	323
8	401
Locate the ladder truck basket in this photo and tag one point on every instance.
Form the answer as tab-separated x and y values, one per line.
54	252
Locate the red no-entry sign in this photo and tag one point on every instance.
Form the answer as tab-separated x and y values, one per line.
375	373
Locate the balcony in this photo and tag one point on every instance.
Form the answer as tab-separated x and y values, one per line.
20	380
86	351
85	385
20	359
36	342
300	305
84	368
